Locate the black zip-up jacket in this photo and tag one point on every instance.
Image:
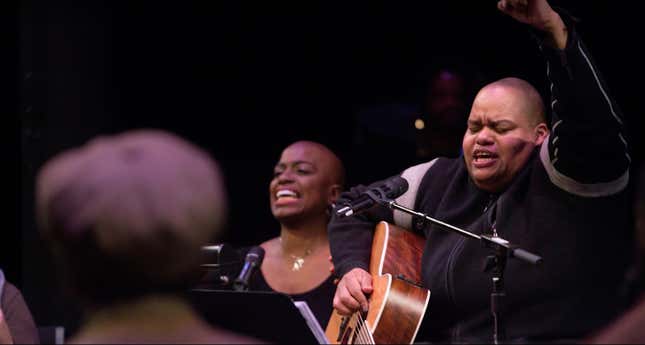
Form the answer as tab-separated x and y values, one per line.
568	204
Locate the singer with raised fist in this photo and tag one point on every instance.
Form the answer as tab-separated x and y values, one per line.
306	181
556	188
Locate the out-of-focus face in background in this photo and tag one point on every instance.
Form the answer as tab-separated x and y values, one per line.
446	101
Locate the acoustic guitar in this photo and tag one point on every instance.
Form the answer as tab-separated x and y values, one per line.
398	302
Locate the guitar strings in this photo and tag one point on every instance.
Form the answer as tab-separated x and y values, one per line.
368	334
359	333
364	334
359	330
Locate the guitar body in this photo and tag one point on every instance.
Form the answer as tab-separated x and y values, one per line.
397	304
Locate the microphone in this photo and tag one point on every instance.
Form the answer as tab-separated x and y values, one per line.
389	188
252	261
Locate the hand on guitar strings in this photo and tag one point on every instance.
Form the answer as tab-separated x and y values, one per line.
351	292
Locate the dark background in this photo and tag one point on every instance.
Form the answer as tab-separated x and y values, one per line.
243	80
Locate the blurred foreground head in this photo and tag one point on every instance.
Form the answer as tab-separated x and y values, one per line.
127	214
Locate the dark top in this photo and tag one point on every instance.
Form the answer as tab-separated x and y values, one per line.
319	299
567	204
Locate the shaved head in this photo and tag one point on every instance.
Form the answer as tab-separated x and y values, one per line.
334	167
312	177
529	98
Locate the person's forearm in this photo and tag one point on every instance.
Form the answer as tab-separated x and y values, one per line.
556	31
587	122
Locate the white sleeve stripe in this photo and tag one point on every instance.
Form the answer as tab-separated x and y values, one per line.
555	125
577	188
611	107
620	135
629	158
413	175
555	140
548	68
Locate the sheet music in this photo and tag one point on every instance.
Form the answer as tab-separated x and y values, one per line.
312	322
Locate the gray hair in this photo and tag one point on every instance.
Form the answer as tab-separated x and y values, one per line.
130	211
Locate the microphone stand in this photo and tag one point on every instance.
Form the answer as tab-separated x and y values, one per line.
495	263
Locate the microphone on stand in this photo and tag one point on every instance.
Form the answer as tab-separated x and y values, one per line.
252	262
389	188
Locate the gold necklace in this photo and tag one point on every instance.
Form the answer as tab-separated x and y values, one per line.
298	261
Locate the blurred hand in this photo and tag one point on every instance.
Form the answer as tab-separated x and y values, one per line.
540	15
352	290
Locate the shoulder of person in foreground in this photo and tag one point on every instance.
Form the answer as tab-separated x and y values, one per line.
18	317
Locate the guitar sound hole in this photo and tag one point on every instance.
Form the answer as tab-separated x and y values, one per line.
341	329
346	336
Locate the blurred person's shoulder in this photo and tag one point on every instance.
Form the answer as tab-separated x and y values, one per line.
11	298
223	336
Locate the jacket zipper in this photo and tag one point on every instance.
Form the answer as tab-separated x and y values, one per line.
451	260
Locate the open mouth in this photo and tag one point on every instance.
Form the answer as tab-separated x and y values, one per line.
483	158
286	193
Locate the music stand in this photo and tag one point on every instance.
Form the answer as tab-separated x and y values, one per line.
269	316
